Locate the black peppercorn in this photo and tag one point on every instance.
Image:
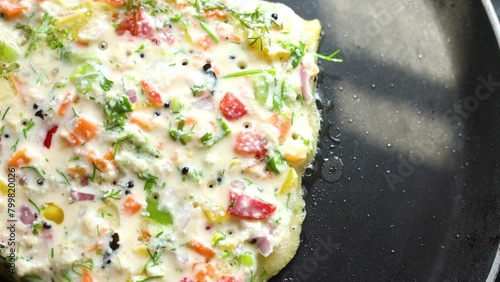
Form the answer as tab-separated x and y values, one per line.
39	181
47	225
130	184
35	106
40	114
114	243
185	170
207	66
274	16
166	105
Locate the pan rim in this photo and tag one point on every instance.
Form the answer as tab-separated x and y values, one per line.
495	22
493	17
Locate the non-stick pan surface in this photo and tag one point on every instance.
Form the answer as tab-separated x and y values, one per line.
406	184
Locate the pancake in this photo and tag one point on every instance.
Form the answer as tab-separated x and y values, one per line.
154	140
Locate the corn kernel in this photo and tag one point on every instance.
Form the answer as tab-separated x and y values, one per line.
53	213
3	187
214	213
291	181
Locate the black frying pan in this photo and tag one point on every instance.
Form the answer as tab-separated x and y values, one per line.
414	194
405	186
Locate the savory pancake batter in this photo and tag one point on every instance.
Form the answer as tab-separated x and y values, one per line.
154	140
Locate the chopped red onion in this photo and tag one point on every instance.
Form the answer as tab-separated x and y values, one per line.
27	217
47	235
305	81
238	184
80	196
186	221
264	246
181	260
131	95
204	103
85	180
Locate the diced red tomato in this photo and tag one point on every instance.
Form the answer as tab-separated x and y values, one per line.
48	138
186	279
245	206
251	143
231	107
138	24
153	95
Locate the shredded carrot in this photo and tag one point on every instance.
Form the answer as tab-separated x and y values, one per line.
145	235
131	206
204	272
19	158
216	70
234	38
190	121
65	104
201	249
205	43
12	9
161	146
17	84
72	140
94	248
87	276
99	163
85	129
102	230
77	171
218	14
82	43
109	156
283	123
142	122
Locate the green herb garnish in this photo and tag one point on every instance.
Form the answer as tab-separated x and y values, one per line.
116	110
250	72
40	174
112	194
331	57
180	134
